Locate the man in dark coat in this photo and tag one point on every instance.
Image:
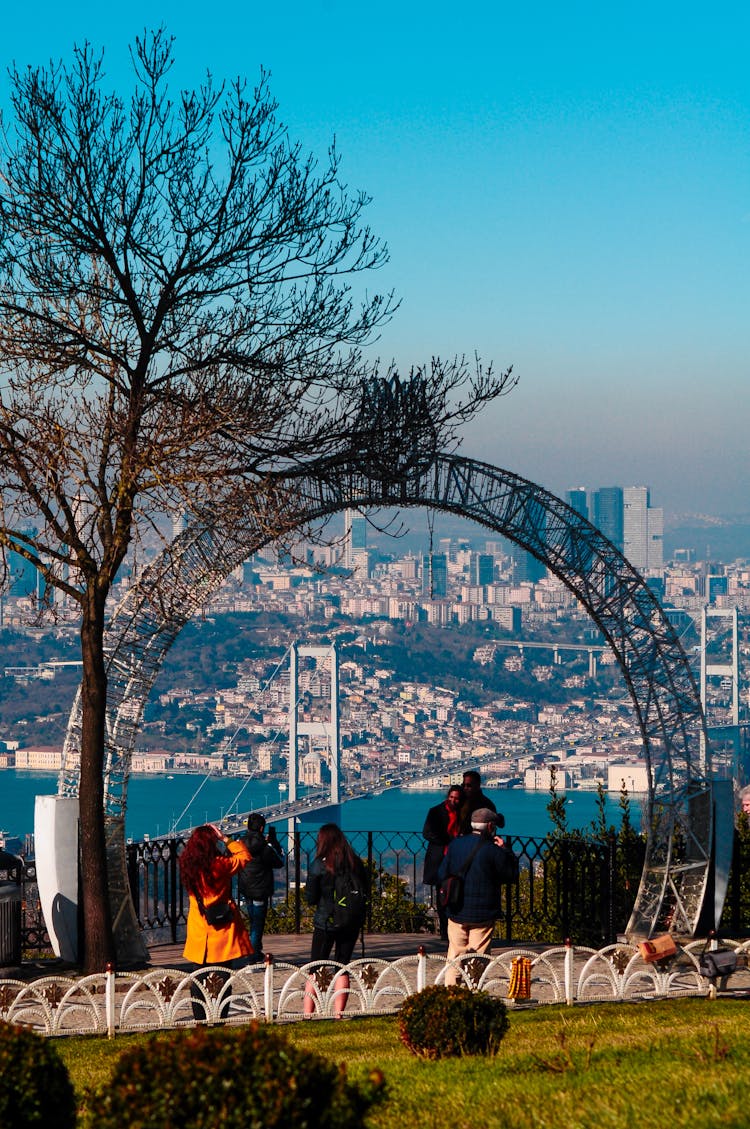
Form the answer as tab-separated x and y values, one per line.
486	864
441	827
474	799
256	879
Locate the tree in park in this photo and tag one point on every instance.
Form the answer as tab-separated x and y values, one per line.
180	327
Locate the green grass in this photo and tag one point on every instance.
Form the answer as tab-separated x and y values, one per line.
679	1064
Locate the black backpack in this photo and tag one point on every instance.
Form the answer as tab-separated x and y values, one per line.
349	900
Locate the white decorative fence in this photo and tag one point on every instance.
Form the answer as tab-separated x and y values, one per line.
162	998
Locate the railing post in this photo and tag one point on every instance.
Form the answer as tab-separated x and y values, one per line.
370	872
611	881
509	897
173	881
737	877
134	878
297	880
565	876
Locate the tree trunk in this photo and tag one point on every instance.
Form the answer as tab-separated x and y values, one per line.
97	949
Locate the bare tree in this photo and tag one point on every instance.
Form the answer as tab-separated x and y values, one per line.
179	320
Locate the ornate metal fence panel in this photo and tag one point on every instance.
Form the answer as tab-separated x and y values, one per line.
165	998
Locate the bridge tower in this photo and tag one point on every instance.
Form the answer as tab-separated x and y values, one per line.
719	692
327	729
720	660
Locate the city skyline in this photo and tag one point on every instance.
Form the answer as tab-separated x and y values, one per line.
564	190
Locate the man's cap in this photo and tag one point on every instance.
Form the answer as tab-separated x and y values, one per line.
482	816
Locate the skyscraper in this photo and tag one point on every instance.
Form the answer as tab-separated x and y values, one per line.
527	567
607	513
355	541
643	529
626	517
578	501
435	576
22	578
482	569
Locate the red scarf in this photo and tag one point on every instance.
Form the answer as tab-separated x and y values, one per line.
454	823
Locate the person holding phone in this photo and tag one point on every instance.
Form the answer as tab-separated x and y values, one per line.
207	865
256	880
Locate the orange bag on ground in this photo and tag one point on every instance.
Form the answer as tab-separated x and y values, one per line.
658	948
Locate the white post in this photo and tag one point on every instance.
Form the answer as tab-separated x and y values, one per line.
421	968
268	988
569	995
109	1000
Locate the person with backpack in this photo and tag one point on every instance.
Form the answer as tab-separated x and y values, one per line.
337	887
479	864
256	879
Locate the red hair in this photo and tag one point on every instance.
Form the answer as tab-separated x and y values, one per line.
334	848
196	861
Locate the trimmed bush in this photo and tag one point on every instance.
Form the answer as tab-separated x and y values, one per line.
35	1089
441	1022
237	1078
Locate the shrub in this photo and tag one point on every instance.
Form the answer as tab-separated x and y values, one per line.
34	1085
439	1022
238	1078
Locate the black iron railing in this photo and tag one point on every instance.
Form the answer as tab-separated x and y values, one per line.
576	887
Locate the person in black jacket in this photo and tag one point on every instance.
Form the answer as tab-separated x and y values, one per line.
485	864
474	799
256	879
334	855
442	825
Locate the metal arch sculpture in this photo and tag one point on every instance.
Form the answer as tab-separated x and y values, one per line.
655	668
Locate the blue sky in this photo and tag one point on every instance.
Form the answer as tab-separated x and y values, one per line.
564	188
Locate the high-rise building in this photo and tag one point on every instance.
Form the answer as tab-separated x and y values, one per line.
577	499
607	513
626	517
22	578
435	576
355	542
527	567
482	570
643	529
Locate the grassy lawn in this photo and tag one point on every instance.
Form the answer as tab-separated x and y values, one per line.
675	1063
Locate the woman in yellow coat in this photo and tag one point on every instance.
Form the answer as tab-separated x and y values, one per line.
207	866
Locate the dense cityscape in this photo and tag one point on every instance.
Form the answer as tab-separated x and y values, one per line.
466	650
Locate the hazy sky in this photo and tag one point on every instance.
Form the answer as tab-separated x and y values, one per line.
563	187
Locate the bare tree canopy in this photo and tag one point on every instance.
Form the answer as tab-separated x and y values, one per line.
180	315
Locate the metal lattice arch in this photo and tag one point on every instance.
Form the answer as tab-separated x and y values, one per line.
661	685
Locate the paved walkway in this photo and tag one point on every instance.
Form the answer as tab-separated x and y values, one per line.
295	948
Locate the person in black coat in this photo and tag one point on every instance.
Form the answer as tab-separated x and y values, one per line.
442	825
474	799
256	880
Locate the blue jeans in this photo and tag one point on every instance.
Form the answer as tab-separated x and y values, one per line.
256	915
